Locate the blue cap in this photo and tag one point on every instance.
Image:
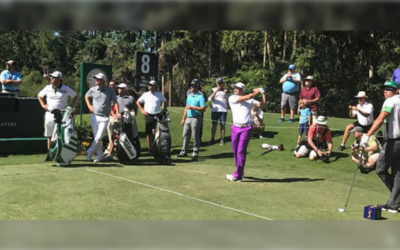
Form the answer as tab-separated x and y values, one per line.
292	66
220	80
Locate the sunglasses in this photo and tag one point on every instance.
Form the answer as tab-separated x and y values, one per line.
389	89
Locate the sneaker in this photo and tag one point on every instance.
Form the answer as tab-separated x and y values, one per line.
195	157
389	209
260	136
342	147
222	143
98	159
281	120
230	177
291	120
181	154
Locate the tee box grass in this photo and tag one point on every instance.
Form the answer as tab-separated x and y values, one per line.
276	185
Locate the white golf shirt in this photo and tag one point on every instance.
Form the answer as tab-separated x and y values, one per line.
152	102
241	111
57	99
366	108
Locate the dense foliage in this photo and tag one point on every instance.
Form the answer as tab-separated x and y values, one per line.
343	62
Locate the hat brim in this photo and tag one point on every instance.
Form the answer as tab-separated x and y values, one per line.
308	79
236	87
358	97
322	123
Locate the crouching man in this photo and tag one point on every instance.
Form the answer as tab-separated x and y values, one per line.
367	155
318	143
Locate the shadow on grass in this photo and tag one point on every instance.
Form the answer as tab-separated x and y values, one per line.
218	156
90	164
335	133
284	180
336	156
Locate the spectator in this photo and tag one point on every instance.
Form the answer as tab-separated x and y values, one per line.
389	156
396	76
367	155
10	79
152	100
112	123
305	120
56	94
241	130
191	121
257	116
219	111
310	96
103	98
290	86
365	117
319	141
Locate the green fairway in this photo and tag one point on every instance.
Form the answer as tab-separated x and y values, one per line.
276	185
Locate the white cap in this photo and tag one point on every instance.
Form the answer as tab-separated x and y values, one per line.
153	83
100	76
239	85
321	120
10	62
361	94
122	86
56	74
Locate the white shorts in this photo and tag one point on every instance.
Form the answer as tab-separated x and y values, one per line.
49	124
303	151
373	157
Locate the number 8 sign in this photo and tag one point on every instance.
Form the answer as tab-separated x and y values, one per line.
146	64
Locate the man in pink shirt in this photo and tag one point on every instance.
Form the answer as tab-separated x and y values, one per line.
310	95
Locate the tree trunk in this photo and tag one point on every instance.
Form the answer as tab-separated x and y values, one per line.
265	49
268	44
210	46
284	45
294	46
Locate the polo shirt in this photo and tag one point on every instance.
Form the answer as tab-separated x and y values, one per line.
241	111
152	102
196	100
103	99
126	101
57	98
392	122
5	74
366	108
310	94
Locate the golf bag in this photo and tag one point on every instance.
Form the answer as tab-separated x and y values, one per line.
64	142
126	141
162	140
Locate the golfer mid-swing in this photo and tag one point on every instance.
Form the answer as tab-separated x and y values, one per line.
241	130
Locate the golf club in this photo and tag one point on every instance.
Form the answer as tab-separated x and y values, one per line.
341	210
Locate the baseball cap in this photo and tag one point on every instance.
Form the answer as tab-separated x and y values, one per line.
194	82
322	120
292	66
239	85
391	84
152	83
122	86
100	76
10	62
361	94
220	80
357	129
56	74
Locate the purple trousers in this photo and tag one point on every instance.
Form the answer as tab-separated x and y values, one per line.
240	139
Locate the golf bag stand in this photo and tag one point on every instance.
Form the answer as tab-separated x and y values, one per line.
64	142
162	140
126	143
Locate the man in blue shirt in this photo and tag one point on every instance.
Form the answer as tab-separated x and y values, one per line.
396	76
191	120
290	90
10	79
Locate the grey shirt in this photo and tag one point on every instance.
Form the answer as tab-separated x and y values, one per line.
102	100
126	101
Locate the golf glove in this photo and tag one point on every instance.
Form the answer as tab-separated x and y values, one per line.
364	141
261	90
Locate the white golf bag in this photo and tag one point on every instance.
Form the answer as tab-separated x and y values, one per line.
64	142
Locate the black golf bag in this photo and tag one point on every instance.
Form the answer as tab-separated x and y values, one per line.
162	140
126	139
64	141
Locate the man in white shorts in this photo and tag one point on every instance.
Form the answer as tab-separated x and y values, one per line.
370	153
56	94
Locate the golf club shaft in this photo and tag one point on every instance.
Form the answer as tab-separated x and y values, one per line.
354	178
